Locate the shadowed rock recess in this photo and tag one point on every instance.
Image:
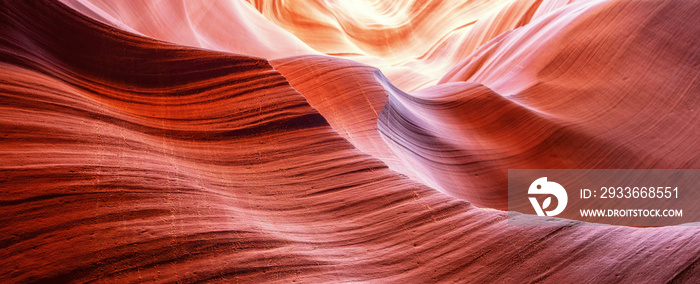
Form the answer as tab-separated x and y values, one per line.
125	158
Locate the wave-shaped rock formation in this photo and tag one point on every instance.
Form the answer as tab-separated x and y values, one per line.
412	42
136	148
616	88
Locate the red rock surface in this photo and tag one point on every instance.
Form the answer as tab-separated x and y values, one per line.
128	159
412	42
349	96
616	88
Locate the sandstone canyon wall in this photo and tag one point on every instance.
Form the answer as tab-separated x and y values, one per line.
230	141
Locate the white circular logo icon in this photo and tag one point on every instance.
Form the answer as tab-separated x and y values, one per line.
542	186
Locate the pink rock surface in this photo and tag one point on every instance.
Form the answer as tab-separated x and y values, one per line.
130	159
412	42
610	85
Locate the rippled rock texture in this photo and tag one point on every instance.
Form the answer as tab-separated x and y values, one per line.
314	141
